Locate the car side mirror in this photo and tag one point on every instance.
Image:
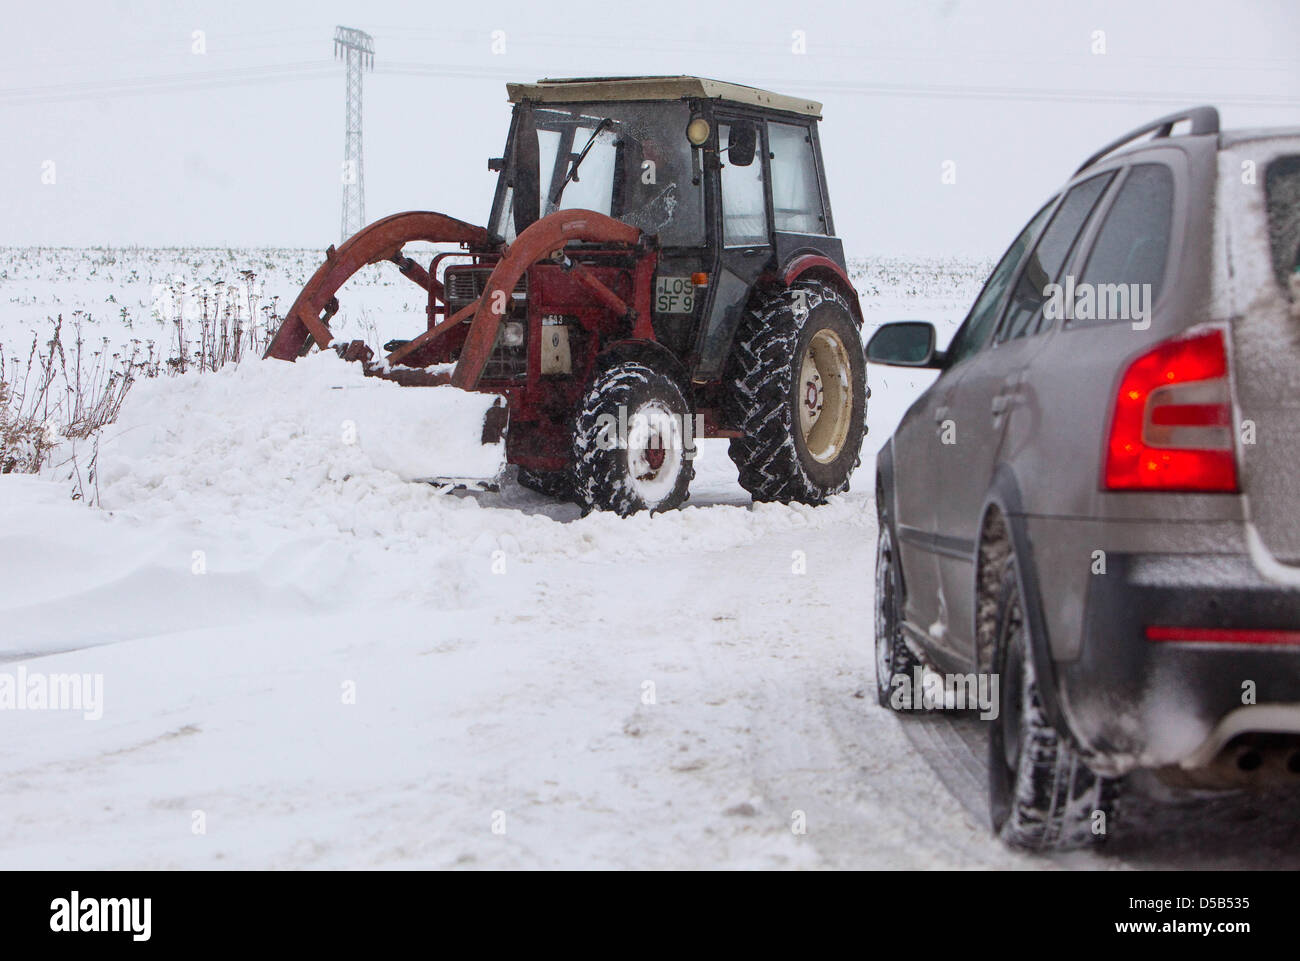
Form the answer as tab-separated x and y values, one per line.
907	343
742	143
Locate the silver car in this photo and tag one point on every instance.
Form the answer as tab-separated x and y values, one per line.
1097	502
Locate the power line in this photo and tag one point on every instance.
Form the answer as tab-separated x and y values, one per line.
922	91
319	69
165	83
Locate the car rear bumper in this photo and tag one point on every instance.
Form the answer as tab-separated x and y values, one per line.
1179	654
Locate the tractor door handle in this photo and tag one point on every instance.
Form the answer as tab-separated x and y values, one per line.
1000	404
751	252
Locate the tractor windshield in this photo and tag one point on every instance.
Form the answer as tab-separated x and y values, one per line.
631	161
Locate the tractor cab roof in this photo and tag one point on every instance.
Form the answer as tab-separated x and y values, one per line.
589	89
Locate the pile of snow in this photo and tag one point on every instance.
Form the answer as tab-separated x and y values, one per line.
315	448
292	426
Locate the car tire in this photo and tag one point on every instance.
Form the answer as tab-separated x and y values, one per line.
797	390
1042	796
627	475
894	659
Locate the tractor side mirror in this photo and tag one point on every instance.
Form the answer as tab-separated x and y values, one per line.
907	343
742	142
526	177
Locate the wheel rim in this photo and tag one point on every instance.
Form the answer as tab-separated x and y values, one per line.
825	396
884	609
654	452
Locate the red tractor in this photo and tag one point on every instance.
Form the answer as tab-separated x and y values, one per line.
660	264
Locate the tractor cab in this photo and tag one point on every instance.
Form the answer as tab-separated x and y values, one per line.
727	179
659	264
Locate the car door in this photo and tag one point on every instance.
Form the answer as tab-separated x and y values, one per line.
746	249
979	405
920	435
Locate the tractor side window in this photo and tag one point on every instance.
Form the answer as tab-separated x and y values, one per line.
548	144
744	205
975	331
796	195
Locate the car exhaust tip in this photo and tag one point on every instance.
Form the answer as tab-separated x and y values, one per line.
1249	760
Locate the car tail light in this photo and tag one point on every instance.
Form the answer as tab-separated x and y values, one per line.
1171	429
1223	635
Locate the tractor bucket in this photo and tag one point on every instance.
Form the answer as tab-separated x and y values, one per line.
444	436
440	435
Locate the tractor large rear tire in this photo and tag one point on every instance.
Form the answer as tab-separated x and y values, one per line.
798	391
648	469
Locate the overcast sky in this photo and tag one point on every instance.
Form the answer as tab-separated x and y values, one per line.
152	143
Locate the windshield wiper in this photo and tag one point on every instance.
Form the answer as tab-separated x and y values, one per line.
573	170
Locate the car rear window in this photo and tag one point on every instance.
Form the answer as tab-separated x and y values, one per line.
1282	190
1133	243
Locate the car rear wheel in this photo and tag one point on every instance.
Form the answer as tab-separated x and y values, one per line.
1041	794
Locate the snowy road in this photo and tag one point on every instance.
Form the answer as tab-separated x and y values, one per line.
532	704
523	707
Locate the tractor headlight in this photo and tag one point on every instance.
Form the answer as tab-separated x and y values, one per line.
512	334
697	131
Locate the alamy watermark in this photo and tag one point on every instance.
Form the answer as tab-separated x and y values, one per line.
75	914
649	428
926	690
35	691
1084	301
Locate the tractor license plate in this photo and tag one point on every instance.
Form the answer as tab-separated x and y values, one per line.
674	295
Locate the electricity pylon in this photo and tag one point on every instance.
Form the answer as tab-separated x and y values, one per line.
358	50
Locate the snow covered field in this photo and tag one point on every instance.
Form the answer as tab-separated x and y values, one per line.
307	661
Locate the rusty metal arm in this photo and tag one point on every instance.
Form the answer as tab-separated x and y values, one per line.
540	240
382	240
432	334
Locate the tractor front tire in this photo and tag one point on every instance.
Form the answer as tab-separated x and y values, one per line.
550	483
629	445
798	390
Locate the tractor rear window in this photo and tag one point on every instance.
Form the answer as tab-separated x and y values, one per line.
1282	190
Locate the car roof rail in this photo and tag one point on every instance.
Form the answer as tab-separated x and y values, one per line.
1204	120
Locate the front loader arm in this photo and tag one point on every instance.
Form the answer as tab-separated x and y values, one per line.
540	240
308	319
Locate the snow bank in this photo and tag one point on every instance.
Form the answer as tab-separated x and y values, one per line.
269	444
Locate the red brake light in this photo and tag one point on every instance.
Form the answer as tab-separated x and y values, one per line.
1171	429
1223	635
